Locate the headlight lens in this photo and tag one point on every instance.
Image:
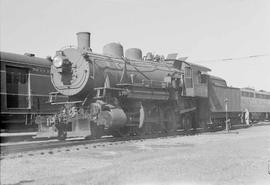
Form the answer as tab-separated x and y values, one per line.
58	61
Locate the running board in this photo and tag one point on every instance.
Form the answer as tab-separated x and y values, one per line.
187	110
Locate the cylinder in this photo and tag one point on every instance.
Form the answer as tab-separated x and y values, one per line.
113	49
133	54
114	118
83	40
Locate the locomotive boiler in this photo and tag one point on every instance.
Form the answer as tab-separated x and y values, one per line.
76	72
114	92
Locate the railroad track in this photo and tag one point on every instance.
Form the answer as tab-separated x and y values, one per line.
52	144
35	146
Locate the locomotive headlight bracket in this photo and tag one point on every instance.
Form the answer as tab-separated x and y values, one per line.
58	61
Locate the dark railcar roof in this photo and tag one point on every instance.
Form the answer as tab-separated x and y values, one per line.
24	59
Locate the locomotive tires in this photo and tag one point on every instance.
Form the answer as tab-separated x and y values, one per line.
155	128
187	121
146	129
170	123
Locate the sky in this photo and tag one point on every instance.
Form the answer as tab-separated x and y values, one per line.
204	31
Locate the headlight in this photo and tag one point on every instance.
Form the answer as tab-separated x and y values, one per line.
58	61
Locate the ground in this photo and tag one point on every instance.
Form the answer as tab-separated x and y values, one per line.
211	158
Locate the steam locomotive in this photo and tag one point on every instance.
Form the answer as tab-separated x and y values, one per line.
114	94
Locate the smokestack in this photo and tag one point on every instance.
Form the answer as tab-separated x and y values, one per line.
84	40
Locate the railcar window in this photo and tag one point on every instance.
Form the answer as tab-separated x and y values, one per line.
248	94
17	87
262	96
244	93
258	96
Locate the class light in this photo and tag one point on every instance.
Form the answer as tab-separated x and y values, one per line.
58	61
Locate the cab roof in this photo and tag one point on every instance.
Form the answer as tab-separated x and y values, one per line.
199	67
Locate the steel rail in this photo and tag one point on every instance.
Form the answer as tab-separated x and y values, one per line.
35	146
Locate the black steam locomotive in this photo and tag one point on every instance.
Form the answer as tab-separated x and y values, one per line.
114	94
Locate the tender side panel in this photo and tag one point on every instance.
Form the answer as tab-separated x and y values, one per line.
217	96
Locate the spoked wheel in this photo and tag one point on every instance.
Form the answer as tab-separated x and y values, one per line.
187	122
155	128
170	117
144	130
140	132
